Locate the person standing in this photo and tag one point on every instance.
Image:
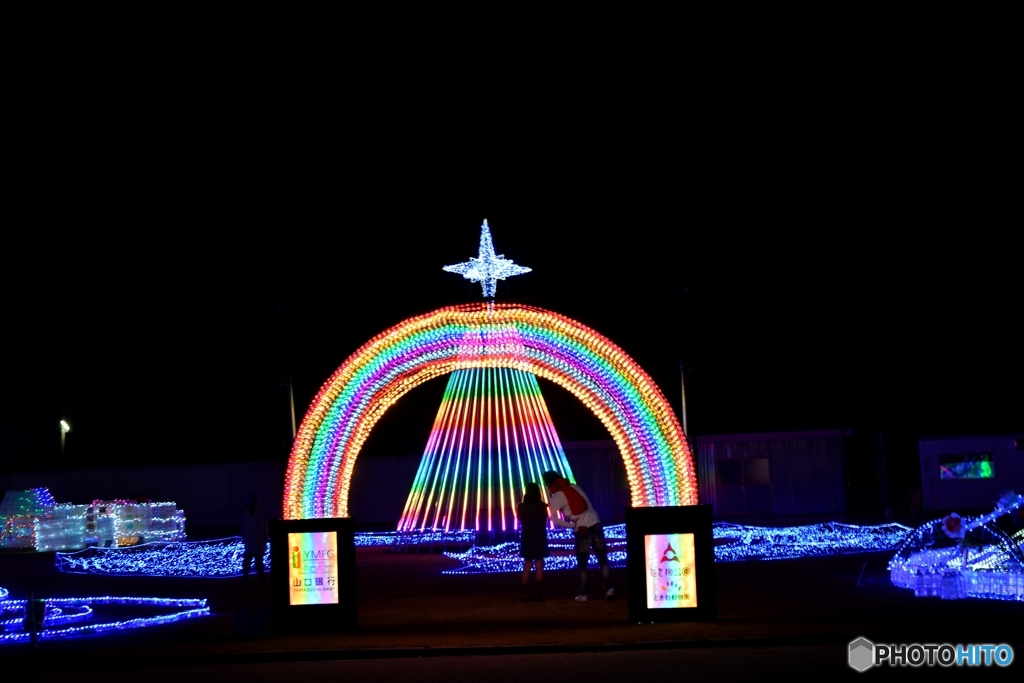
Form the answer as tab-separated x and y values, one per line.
572	503
254	536
533	539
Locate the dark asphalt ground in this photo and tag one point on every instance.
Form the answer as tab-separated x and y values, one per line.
408	609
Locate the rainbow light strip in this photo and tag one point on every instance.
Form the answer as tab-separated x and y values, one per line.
492	434
659	465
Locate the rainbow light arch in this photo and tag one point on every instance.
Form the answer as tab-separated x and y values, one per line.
659	464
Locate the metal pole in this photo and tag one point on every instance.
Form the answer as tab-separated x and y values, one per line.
685	353
682	387
30	619
291	404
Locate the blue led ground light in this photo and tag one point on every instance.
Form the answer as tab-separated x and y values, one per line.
70	617
737	543
504	557
733	543
220	558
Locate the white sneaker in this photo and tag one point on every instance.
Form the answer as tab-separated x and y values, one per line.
581	598
609	594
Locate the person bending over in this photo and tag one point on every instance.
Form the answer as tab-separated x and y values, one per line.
571	509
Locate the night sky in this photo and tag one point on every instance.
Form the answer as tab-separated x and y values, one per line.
161	319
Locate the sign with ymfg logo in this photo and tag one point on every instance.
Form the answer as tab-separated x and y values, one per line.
313	570
313	575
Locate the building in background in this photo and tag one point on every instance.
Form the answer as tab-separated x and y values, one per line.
790	474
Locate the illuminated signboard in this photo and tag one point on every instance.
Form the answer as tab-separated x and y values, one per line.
966	466
312	575
670	564
313	568
671	570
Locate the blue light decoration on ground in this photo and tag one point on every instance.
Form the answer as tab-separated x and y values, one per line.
504	557
740	543
425	539
71	617
221	558
964	557
733	543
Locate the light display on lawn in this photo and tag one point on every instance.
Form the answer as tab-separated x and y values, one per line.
70	617
220	558
733	543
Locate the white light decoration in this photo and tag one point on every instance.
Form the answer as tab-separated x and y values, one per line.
31	519
19	511
61	528
17	531
107	523
487	268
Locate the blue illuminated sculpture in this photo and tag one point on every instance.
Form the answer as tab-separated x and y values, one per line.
964	557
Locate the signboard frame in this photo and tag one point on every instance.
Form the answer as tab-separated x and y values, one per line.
315	617
688	520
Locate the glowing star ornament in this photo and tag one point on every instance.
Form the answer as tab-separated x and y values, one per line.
488	267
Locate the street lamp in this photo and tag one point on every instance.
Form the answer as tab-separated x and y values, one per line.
64	429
